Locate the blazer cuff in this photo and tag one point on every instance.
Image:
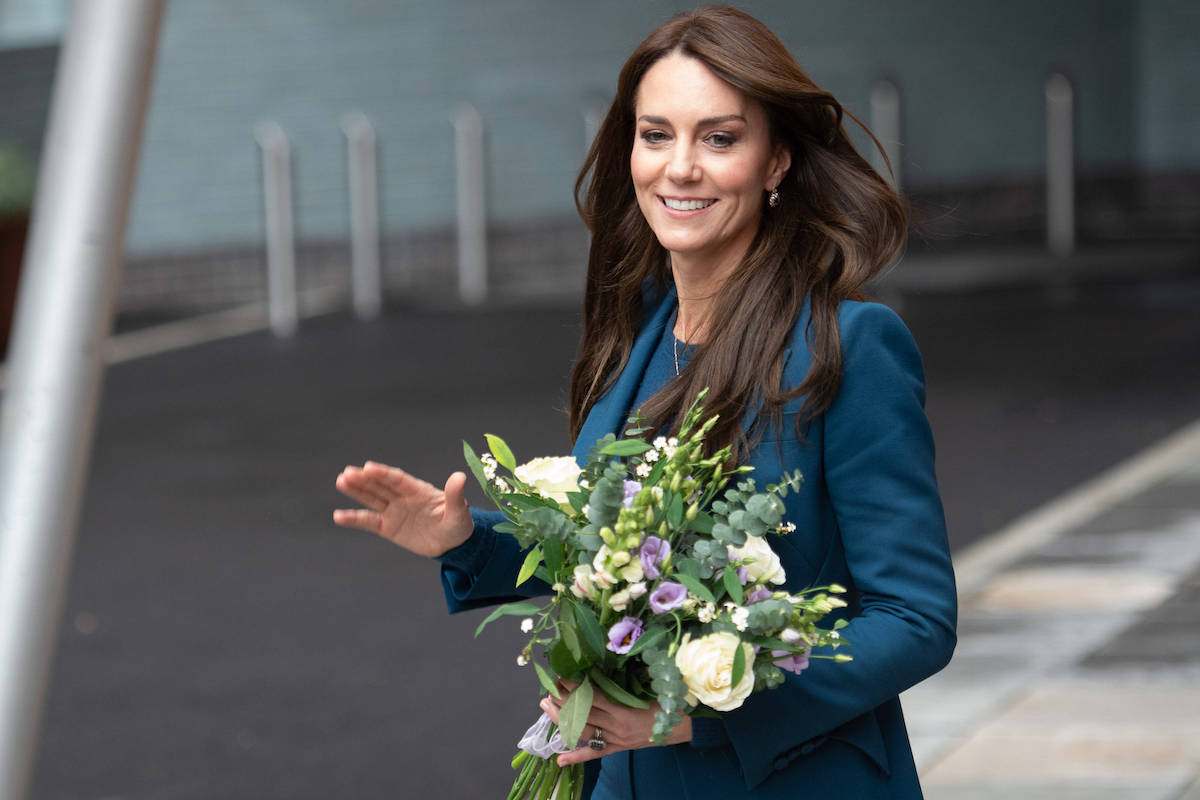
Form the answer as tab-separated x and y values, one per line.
471	556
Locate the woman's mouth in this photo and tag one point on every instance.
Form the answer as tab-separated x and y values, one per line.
676	204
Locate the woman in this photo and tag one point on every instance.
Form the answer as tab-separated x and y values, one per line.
734	226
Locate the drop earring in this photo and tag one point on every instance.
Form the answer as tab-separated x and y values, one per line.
773	198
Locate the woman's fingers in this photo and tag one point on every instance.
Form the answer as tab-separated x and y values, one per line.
351	484
359	518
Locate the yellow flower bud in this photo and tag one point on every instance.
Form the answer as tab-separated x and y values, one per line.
607	536
620	558
692	512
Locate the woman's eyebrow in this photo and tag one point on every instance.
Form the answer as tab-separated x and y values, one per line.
703	122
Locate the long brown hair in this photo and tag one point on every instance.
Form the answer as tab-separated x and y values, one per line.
837	224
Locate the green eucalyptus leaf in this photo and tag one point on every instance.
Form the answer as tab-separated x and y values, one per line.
522	608
572	718
739	665
476	467
625	447
504	456
614	692
696	587
593	634
546	679
552	551
532	560
733	585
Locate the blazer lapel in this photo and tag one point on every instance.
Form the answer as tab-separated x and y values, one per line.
612	409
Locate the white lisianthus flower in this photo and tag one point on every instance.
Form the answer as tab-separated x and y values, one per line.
583	586
706	665
552	476
600	560
762	563
637	589
632	572
619	600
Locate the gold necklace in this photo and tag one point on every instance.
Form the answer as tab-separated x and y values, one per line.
675	345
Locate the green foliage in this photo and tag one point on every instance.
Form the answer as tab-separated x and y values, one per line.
521	609
668	686
614	691
504	456
532	559
574	713
608	493
593	634
768	615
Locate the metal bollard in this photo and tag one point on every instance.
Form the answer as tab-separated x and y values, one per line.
282	305
472	204
886	124
1060	164
364	215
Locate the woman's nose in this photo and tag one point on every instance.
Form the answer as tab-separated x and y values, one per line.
682	168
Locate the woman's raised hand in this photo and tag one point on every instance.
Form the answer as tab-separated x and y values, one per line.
405	510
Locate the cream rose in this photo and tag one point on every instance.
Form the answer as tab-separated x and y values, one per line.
763	565
707	668
553	476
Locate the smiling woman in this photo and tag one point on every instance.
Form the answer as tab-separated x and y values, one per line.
734	227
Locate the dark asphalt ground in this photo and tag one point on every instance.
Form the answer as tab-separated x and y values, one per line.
223	639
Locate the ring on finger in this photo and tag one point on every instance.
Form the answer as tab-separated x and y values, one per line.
597	741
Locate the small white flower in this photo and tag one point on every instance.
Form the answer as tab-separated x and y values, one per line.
501	485
834	635
789	527
526	625
557	587
707	613
637	589
522	660
660	443
650	456
792	636
740	617
642	470
586	509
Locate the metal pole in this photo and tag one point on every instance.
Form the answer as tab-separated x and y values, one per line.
55	365
886	124
282	305
364	215
1060	165
472	204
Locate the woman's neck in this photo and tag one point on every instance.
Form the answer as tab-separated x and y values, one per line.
697	283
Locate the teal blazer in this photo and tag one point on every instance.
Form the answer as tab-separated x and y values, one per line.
868	516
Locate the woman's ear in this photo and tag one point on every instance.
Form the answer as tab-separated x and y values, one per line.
780	162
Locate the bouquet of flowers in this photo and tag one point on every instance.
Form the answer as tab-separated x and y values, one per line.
663	587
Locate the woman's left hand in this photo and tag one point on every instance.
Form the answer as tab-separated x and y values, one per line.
623	728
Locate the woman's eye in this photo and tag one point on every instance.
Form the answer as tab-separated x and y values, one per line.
654	137
721	140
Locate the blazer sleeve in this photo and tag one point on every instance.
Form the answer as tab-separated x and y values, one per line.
482	570
879	474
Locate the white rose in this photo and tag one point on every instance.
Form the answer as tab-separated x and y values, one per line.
707	668
763	565
552	476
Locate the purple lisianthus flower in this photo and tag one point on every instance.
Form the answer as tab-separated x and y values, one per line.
759	593
623	634
631	490
653	551
792	662
667	596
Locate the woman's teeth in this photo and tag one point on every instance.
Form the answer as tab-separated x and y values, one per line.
687	205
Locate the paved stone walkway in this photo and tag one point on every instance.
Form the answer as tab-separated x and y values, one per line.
1077	673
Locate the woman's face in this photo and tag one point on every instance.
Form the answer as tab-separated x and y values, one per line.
702	161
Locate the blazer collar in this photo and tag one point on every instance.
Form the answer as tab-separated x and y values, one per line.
612	409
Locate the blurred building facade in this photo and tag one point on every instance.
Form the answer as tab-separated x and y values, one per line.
970	75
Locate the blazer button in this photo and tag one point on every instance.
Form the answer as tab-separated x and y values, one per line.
780	763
